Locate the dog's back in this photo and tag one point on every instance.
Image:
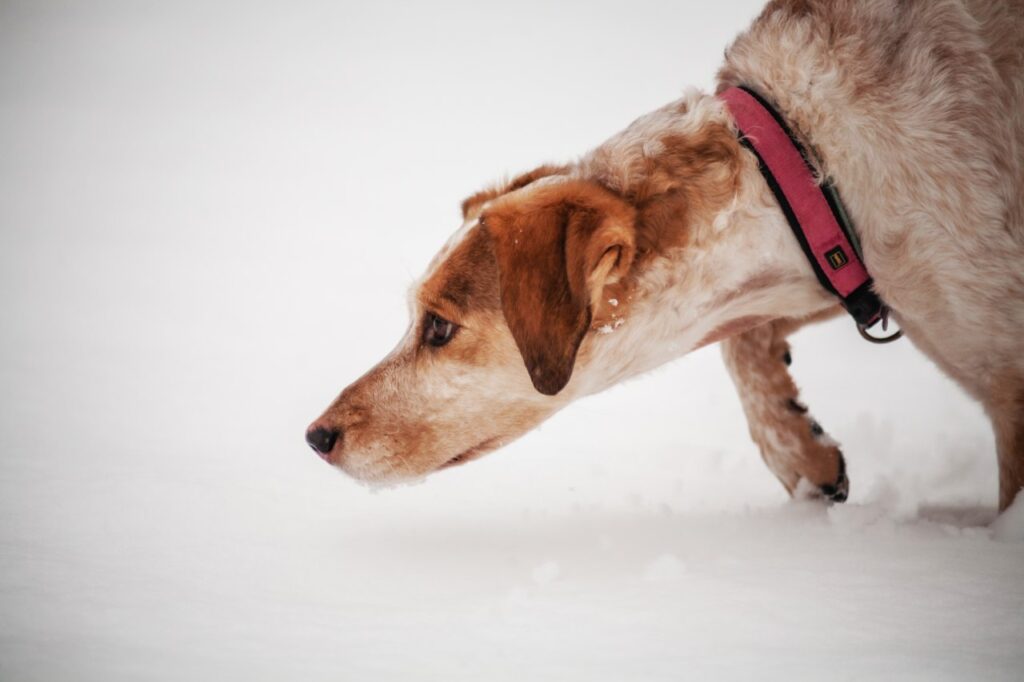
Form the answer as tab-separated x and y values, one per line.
880	84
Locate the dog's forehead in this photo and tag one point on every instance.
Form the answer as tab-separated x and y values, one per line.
439	259
464	275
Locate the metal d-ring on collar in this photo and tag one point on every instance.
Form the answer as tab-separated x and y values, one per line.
895	336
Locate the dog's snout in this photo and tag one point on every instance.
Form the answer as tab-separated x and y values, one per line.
322	440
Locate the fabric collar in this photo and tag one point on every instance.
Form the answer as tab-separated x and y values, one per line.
813	209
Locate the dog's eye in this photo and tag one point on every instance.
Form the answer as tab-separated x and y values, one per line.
437	331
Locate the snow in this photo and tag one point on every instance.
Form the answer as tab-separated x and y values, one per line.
208	220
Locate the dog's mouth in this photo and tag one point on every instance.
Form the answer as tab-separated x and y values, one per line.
472	453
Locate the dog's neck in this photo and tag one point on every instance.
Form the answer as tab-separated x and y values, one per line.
725	261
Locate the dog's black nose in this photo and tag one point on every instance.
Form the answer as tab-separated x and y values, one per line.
322	440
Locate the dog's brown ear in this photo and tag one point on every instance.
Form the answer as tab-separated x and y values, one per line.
557	249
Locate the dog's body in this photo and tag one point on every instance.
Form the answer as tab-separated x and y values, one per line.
667	238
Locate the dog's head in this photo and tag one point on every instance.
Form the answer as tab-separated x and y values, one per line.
498	322
514	317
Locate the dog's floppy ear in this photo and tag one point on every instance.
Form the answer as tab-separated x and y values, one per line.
557	247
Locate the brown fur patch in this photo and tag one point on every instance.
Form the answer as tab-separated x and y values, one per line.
467	280
556	248
672	184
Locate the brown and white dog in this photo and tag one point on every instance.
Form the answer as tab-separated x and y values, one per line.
666	238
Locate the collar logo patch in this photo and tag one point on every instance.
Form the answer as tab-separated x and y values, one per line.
837	258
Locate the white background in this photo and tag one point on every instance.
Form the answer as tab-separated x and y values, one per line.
209	216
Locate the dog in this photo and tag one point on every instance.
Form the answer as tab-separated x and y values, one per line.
571	278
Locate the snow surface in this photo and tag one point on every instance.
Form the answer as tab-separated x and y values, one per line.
209	215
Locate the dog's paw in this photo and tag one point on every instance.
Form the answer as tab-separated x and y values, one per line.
837	491
840	490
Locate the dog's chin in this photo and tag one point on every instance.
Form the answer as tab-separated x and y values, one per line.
382	477
468	455
382	473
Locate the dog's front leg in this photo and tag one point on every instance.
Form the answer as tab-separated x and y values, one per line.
794	446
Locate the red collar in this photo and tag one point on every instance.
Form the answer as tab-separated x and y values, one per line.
813	209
